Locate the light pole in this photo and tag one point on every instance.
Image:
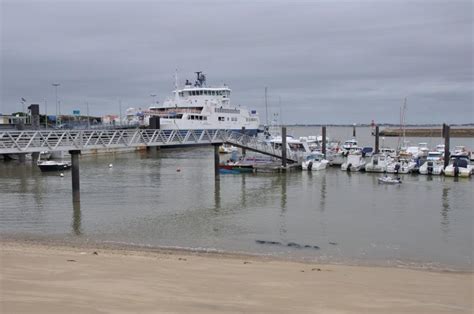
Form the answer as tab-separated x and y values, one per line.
45	113
57	103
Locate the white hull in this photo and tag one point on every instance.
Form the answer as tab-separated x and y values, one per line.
403	167
314	165
463	172
434	168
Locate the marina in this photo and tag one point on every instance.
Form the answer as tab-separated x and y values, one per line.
241	213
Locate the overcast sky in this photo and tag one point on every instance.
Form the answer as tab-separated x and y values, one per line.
328	61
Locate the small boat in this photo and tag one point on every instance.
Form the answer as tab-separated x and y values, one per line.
401	165
53	165
434	164
461	151
378	163
314	162
227	149
355	161
458	167
389	180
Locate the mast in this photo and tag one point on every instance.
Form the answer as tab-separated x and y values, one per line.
404	116
266	106
176	96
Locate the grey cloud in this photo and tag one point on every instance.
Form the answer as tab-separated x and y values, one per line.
329	61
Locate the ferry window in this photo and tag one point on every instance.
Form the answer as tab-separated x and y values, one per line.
204	118
200	92
221	119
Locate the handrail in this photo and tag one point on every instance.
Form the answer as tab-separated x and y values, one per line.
27	141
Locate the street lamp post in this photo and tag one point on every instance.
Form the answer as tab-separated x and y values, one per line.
57	103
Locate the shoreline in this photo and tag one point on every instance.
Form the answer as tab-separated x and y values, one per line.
39	278
120	247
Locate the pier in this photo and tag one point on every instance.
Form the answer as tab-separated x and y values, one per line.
23	142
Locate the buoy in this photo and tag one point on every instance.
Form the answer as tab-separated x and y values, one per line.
110	165
61	174
178	170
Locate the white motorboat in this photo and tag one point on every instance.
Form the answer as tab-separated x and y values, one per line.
198	107
461	151
227	149
314	162
434	164
440	148
355	161
388	152
401	165
378	163
389	180
458	167
336	157
53	165
350	144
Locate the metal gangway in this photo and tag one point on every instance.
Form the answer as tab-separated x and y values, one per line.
27	141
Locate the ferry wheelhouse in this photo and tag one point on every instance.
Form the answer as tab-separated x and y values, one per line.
198	107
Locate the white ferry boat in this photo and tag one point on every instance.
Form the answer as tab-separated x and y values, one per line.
198	107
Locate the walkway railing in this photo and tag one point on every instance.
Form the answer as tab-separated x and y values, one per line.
17	142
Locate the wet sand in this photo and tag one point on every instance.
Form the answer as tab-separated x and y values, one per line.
39	278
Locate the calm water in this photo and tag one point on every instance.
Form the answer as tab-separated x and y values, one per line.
143	200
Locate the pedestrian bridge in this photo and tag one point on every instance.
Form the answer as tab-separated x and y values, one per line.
25	142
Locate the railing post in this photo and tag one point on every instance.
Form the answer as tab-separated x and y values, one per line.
76	190
216	161
446	144
283	146
323	147
376	139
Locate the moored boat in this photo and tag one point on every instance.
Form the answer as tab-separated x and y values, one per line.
314	162
458	167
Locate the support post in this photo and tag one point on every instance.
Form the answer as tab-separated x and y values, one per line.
216	161
76	190
446	144
283	147
376	139
244	151
354	130
34	157
323	146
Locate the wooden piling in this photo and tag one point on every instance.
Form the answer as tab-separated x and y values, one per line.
446	144
283	147
76	190
323	146
376	139
354	130
216	161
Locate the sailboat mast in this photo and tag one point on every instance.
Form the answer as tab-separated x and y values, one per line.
176	96
266	106
404	116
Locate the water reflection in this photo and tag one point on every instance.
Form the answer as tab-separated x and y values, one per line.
283	202
322	201
445	209
217	195
76	218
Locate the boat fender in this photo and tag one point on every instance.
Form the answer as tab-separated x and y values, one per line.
310	166
349	167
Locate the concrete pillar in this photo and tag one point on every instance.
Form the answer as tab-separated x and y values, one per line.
34	157
244	151
216	161
446	144
283	146
76	190
376	139
22	158
323	146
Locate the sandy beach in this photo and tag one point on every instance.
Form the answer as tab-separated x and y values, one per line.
39	278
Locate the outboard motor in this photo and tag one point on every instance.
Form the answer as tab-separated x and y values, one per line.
456	168
430	167
310	166
397	168
349	167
